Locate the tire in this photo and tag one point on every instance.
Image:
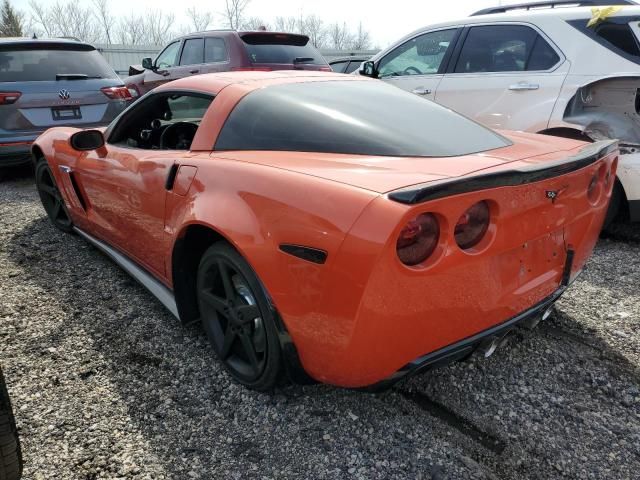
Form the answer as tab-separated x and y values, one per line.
614	205
10	454
51	198
238	318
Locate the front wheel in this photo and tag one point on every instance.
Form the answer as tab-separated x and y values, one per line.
238	318
51	198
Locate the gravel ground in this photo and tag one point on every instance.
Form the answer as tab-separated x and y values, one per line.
106	383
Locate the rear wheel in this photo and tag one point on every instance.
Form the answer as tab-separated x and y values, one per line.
10	455
238	318
51	198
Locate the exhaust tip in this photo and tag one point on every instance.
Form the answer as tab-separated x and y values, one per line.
488	346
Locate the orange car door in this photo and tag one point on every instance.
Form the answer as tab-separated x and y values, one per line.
125	189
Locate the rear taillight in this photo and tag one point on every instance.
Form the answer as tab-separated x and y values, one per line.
117	93
472	225
133	91
7	98
418	239
326	69
251	69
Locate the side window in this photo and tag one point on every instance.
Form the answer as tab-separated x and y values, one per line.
621	36
353	66
504	48
161	122
168	56
421	55
192	52
215	50
339	67
542	56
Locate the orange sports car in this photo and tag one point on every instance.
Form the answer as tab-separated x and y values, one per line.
329	227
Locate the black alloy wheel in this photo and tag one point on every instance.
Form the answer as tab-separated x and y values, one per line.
238	318
51	198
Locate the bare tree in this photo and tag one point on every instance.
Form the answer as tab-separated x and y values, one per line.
286	24
105	19
199	20
255	23
40	18
313	27
157	27
130	30
339	36
11	21
361	40
234	12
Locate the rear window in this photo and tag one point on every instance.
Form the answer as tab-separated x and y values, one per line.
352	117
281	48
620	36
38	65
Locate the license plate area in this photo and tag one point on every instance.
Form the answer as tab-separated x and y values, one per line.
66	113
543	259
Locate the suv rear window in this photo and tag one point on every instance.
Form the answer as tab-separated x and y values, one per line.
37	64
281	48
352	117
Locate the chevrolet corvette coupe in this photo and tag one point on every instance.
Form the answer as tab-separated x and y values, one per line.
329	227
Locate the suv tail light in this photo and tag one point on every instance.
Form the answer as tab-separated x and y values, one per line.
117	93
326	69
7	98
472	225
418	239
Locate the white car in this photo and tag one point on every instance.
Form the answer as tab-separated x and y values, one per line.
546	67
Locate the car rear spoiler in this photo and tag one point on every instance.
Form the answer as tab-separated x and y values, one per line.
509	178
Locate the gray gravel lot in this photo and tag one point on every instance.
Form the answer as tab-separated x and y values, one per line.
107	384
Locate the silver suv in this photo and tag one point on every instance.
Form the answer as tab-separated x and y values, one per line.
46	83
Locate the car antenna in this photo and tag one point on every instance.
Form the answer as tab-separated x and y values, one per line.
35	37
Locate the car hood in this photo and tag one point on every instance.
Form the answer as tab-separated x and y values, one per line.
384	174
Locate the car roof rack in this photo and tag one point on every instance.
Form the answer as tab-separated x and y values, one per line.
552	4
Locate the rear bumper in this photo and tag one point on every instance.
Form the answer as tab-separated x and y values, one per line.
12	154
467	346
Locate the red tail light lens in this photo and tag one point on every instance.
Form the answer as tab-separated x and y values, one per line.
117	93
7	98
326	69
472	225
418	239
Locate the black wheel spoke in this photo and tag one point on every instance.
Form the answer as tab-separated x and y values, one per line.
215	302
55	212
51	191
246	313
249	349
229	337
229	291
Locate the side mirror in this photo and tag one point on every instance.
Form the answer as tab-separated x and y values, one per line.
147	63
368	69
87	140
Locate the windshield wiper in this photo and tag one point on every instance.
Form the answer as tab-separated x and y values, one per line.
74	76
303	59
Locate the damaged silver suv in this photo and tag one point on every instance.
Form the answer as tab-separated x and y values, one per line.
568	68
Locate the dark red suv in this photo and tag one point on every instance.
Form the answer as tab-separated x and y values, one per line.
222	51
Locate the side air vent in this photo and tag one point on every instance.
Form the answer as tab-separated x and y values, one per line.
77	191
314	255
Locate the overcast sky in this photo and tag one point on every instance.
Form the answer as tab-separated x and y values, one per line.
386	21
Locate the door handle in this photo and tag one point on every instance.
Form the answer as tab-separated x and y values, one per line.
524	86
421	91
194	71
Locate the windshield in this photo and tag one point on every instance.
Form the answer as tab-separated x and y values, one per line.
353	117
39	65
281	48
